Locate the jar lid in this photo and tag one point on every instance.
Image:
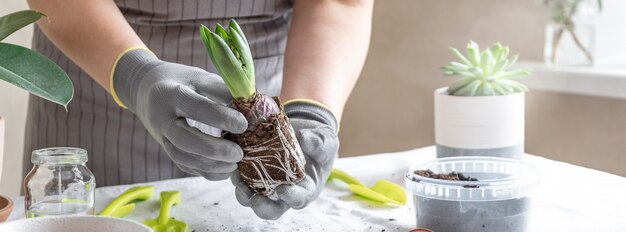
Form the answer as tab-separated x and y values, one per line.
59	155
497	179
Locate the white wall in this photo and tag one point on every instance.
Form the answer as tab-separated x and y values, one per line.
611	34
13	103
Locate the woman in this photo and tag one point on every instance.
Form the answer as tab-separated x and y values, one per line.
147	56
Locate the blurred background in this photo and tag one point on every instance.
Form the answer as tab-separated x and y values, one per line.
573	114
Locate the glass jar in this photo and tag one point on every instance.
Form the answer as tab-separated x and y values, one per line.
59	183
571	34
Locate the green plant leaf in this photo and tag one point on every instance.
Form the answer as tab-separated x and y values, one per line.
219	30
231	56
496	50
486	89
499	90
15	21
513	74
343	176
469	89
473	52
482	72
234	26
459	84
229	68
244	54
460	56
391	190
486	62
35	73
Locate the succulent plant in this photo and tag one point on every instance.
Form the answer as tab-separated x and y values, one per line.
484	73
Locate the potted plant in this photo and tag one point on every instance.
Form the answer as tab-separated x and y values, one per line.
28	69
483	112
570	35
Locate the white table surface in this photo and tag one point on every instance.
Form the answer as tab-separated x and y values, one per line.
569	198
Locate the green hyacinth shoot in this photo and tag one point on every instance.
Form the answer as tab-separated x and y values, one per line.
484	73
230	53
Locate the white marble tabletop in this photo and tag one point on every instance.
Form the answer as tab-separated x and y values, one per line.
569	198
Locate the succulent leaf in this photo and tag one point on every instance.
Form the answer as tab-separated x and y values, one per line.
484	73
473	53
459	84
460	56
470	89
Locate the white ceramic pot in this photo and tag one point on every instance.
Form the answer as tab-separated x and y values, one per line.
479	125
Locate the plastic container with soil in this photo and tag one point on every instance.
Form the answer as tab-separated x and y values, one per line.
492	195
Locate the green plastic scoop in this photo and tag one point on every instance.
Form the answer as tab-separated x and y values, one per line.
165	223
124	204
383	191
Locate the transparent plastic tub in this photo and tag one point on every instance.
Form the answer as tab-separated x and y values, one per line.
501	199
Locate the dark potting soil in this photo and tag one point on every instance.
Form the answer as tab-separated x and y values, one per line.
449	176
265	141
475	216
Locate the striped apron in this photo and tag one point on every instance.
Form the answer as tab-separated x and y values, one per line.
120	149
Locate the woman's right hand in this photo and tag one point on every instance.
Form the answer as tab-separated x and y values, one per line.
163	94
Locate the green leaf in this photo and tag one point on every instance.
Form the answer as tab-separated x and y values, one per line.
460	56
513	86
511	61
343	176
496	49
221	32
204	34
473	52
486	62
245	55
501	65
477	71
15	21
499	90
505	53
470	89
229	68
513	74
35	73
486	89
231	56
234	26
459	84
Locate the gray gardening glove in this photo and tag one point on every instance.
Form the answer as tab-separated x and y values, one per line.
316	131
162	95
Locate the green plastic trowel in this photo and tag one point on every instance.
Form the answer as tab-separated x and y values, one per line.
165	223
123	205
383	191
